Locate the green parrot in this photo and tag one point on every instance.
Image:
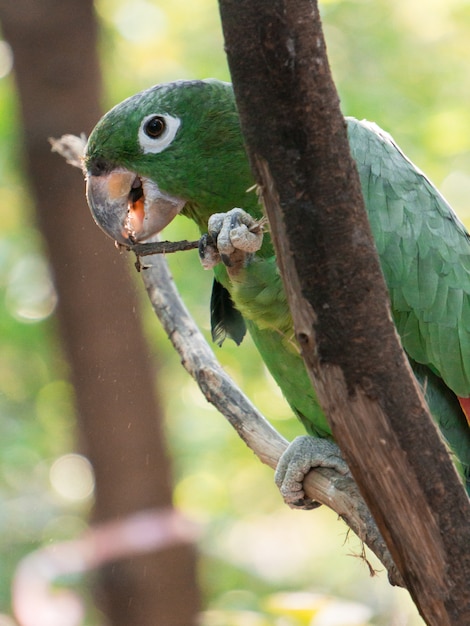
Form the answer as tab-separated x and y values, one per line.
177	149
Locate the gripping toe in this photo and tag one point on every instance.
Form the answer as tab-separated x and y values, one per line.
304	454
237	236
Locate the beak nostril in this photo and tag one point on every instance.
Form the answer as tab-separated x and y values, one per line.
99	167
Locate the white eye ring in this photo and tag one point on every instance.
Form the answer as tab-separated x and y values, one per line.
159	142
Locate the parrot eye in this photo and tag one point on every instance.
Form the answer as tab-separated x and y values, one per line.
156	132
155	127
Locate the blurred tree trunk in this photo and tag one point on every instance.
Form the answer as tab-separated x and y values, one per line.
56	65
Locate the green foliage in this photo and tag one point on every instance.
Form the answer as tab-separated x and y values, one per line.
403	65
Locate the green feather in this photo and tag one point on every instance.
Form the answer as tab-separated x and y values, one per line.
424	253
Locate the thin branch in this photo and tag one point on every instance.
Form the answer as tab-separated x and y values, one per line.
339	493
162	247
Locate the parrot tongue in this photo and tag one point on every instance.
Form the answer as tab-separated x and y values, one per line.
130	208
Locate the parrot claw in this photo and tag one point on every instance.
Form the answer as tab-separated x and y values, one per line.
302	455
237	235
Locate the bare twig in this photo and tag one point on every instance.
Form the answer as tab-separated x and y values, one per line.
71	147
337	492
162	247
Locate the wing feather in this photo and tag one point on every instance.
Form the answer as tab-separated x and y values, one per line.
425	255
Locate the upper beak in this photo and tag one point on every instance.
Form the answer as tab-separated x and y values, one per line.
129	208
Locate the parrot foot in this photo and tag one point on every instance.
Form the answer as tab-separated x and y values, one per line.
304	454
237	237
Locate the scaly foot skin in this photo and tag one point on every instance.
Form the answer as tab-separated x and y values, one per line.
233	238
302	455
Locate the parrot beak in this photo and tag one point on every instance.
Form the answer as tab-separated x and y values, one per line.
129	208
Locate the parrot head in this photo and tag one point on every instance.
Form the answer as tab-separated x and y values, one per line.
174	148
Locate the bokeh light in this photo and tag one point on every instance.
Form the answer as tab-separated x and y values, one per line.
6	61
30	294
72	478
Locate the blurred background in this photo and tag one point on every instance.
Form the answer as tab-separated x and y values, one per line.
97	417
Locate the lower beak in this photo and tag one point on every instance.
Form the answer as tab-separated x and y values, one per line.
129	208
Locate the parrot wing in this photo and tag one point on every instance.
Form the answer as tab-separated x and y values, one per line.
424	252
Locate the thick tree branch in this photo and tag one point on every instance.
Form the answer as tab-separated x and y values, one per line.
298	147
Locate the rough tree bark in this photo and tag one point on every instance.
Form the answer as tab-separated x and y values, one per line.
298	147
56	68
